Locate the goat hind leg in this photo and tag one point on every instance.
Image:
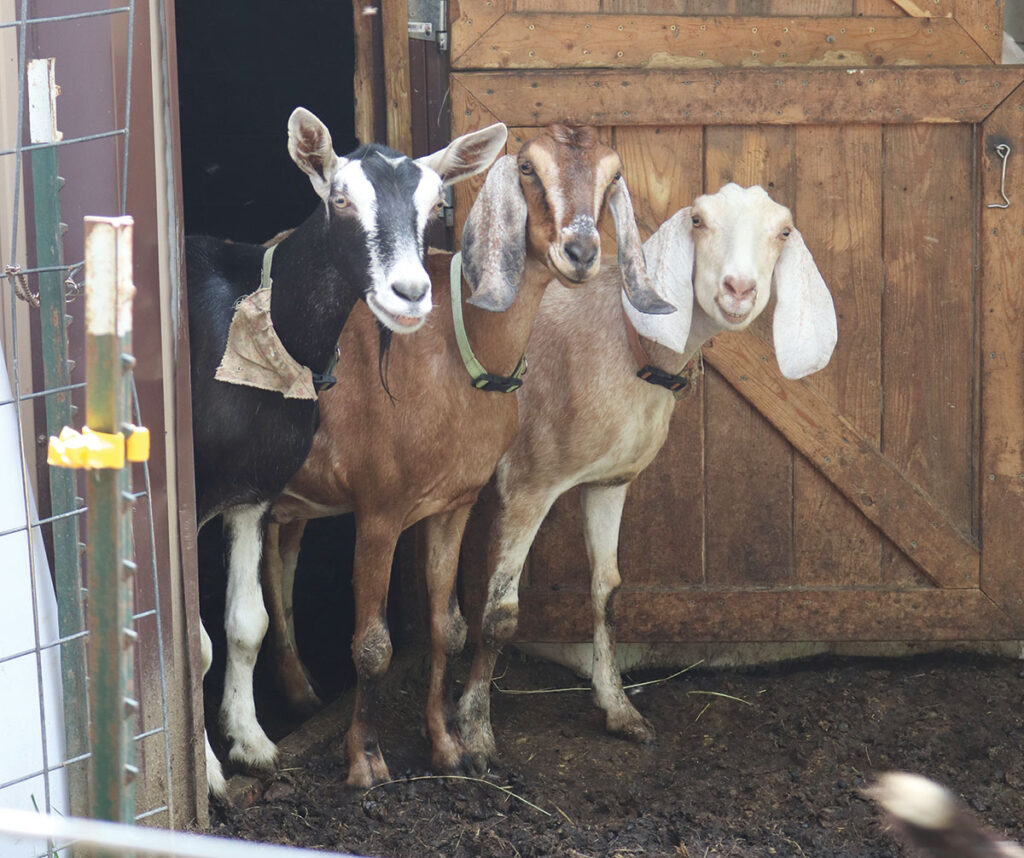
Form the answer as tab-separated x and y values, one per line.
602	515
371	647
245	622
447	636
280	557
215	782
511	536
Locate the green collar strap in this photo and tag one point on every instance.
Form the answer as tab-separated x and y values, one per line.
482	379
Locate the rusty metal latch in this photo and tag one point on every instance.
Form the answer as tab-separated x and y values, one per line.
428	21
1003	151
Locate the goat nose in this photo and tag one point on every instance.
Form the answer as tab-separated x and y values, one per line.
411	290
581	252
739	287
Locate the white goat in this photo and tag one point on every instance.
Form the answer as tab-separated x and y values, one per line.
586	419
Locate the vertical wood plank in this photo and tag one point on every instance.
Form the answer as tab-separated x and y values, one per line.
395	21
928	350
1001	322
364	75
661	540
467	114
839	212
749	466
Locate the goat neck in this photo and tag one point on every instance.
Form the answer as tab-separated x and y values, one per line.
311	297
499	339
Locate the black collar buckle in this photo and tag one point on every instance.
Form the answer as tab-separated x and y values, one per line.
498	383
325	380
655	375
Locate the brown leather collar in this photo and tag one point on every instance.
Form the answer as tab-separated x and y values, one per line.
680	384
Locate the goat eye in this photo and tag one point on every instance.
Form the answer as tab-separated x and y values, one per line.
697	221
340	201
617	177
785	233
526	168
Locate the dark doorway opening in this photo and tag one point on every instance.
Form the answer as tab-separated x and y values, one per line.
243	66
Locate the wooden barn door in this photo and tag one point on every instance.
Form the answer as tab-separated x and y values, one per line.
882	498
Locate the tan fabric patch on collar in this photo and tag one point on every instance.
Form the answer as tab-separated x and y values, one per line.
255	355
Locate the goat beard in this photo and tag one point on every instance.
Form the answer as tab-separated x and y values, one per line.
384	357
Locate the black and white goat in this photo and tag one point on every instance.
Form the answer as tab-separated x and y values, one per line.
366	240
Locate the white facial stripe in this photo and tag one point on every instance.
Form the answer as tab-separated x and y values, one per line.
424	198
352	182
552	185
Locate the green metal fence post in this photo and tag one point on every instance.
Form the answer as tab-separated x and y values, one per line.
46	184
113	703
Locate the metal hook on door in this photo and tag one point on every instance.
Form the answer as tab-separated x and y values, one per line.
1003	151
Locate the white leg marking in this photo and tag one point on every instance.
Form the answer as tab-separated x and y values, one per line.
602	515
215	782
245	622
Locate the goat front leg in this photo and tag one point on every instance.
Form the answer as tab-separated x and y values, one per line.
245	622
510	539
447	636
602	515
280	557
371	646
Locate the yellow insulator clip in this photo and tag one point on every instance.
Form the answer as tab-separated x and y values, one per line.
137	445
89	449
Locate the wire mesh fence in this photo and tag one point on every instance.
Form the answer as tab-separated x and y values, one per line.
45	524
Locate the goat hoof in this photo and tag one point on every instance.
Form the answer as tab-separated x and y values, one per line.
636	729
216	783
478	740
477	764
255	754
366	772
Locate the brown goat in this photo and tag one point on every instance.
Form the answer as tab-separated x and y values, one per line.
426	453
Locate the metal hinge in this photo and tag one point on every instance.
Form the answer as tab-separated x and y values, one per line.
428	21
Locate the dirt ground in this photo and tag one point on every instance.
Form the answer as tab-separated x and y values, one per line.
752	762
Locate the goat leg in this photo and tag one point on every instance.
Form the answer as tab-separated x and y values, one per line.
513	531
280	557
214	773
447	636
245	621
602	514
371	646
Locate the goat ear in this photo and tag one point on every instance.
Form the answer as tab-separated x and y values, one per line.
494	239
635	278
804	327
669	254
467	155
309	144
